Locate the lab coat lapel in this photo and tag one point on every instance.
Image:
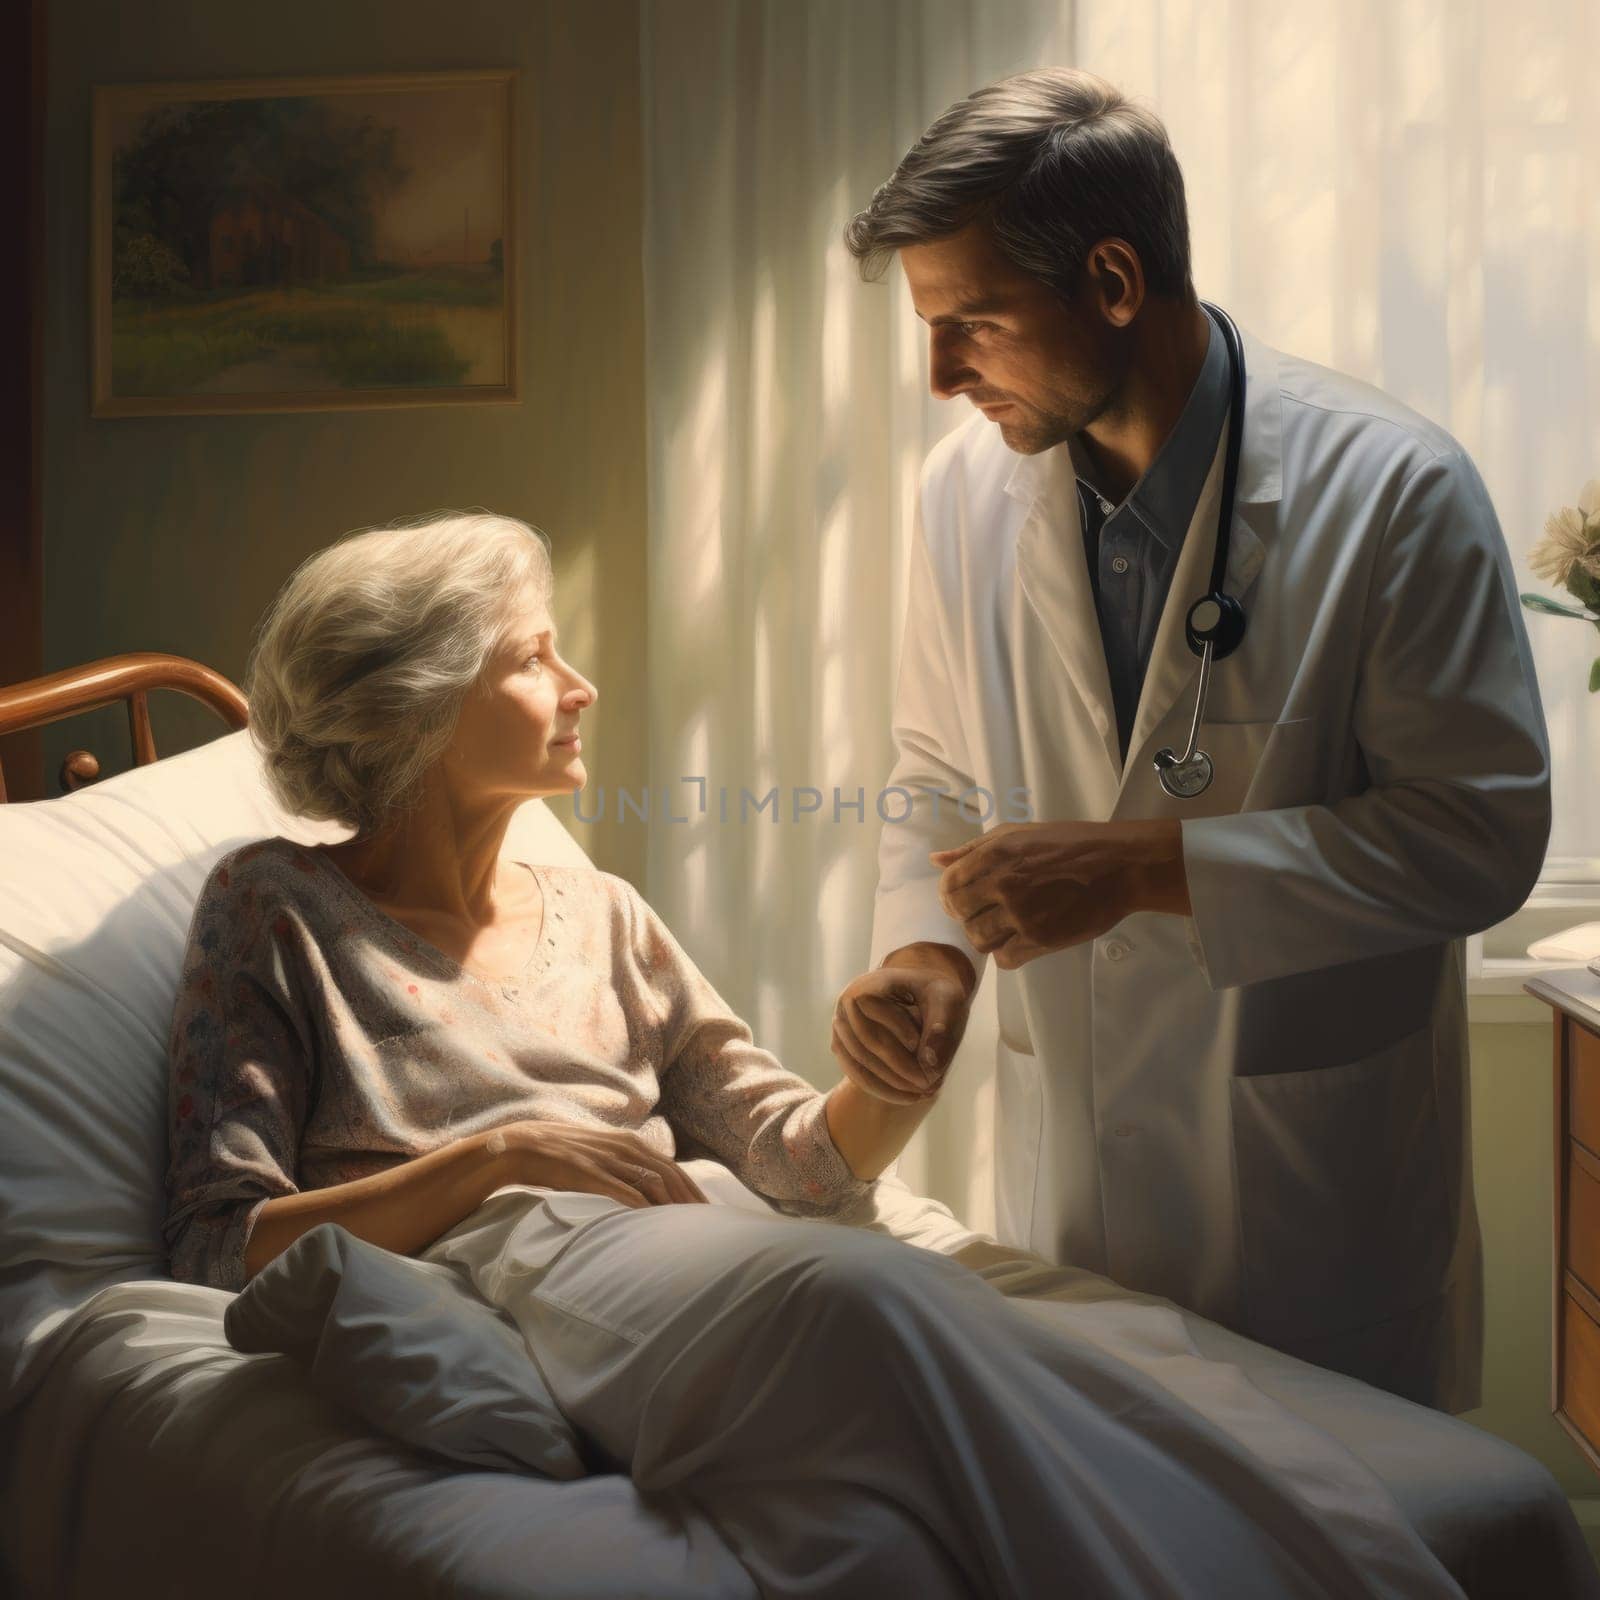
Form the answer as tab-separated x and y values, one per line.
1174	669
1054	576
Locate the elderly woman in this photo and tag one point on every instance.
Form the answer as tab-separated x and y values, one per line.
384	1032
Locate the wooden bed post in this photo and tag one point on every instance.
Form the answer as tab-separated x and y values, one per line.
101	683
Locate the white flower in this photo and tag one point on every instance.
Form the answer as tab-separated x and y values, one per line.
1589	509
1571	539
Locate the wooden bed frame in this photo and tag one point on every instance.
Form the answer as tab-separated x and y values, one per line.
128	677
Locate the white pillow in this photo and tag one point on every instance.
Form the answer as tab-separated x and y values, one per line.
97	890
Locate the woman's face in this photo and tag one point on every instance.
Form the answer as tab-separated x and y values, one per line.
528	699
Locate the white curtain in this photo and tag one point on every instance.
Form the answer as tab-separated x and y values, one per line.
788	416
1395	189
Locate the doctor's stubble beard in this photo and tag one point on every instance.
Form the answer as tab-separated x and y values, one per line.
1032	430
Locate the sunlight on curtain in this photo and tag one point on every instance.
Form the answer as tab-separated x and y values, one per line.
788	418
1405	190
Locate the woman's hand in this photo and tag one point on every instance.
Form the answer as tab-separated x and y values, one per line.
895	1030
608	1161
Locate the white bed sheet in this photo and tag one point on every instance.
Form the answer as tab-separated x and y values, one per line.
1493	1515
155	1459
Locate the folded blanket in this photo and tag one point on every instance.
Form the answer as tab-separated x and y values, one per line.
414	1350
411	1348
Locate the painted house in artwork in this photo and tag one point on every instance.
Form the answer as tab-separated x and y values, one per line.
260	234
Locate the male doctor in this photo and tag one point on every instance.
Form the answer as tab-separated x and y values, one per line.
1232	1064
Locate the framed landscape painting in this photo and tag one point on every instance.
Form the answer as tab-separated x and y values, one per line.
303	244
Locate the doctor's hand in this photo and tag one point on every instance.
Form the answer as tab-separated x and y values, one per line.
1025	889
895	1031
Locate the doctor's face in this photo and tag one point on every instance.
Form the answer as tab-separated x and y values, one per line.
1040	369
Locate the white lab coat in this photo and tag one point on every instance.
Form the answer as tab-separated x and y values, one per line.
1261	1111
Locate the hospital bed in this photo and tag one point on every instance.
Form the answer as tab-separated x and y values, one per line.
141	1454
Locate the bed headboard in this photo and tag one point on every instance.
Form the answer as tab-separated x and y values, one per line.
99	683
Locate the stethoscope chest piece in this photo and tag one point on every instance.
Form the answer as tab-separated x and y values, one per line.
1183	780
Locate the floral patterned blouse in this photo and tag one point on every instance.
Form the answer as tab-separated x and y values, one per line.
316	1040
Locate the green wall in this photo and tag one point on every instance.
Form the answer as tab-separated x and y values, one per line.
173	533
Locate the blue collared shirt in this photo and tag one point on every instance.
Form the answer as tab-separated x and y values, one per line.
1132	548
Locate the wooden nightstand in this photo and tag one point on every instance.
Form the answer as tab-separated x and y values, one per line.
1574	995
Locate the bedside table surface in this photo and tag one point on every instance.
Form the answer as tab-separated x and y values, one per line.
1574	990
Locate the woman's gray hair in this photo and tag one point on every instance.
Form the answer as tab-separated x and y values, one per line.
365	658
1050	161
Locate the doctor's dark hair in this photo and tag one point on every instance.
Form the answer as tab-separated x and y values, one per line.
1050	161
363	661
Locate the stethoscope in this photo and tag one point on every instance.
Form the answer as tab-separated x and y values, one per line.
1215	623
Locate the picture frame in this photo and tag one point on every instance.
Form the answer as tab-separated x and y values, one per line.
304	244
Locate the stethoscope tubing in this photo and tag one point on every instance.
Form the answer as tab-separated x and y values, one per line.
1230	467
1192	756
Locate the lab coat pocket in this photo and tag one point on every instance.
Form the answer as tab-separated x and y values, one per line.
1291	769
1343	1210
